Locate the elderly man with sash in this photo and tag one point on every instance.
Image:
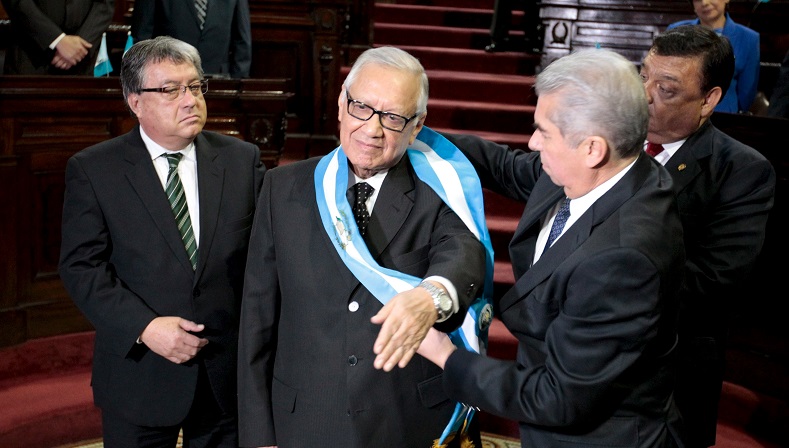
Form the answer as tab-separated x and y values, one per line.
354	256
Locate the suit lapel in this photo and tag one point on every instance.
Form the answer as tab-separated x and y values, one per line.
684	164
536	207
394	203
210	179
544	196
142	177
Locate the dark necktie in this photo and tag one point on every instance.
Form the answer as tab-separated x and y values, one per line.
558	223
654	149
362	192
201	6
177	198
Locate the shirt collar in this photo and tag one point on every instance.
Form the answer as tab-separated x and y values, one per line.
156	150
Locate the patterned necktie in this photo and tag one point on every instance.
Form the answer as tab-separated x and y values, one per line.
362	192
201	6
654	149
558	223
177	198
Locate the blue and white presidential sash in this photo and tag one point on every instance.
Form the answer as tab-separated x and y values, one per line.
439	164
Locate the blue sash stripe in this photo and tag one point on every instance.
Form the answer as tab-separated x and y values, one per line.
383	282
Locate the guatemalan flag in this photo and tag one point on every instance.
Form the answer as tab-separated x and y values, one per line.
102	66
129	43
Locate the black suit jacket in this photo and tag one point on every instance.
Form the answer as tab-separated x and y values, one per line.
595	317
224	43
36	23
306	375
123	263
724	192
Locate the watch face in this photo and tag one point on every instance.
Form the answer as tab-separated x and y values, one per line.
445	303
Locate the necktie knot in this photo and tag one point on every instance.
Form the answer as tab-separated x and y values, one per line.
654	149
362	192
173	160
558	223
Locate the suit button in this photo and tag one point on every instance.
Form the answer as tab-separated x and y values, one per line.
353	306
352	360
196	292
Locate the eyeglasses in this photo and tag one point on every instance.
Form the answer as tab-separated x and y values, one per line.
172	93
388	120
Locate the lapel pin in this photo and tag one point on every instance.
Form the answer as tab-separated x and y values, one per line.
681	167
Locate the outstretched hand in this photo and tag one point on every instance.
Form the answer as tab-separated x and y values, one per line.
405	321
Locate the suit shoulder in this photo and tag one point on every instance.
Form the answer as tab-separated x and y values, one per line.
108	149
728	147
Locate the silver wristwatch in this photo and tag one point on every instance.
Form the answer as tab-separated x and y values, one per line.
441	301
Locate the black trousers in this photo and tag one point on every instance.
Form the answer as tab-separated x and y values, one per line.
205	426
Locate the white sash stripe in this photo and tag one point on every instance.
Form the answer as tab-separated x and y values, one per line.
451	185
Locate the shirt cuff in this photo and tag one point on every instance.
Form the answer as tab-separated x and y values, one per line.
56	41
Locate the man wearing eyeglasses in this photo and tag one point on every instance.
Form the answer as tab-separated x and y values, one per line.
156	227
323	362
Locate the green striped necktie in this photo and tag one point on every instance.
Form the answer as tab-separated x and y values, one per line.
177	198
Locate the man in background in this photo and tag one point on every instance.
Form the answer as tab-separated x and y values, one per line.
219	29
724	191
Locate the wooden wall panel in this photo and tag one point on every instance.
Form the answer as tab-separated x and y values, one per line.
303	41
629	27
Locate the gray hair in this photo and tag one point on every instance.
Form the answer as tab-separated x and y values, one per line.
395	58
152	51
602	94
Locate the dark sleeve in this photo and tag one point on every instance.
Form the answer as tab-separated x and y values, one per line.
97	21
509	172
456	254
598	336
27	16
85	267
